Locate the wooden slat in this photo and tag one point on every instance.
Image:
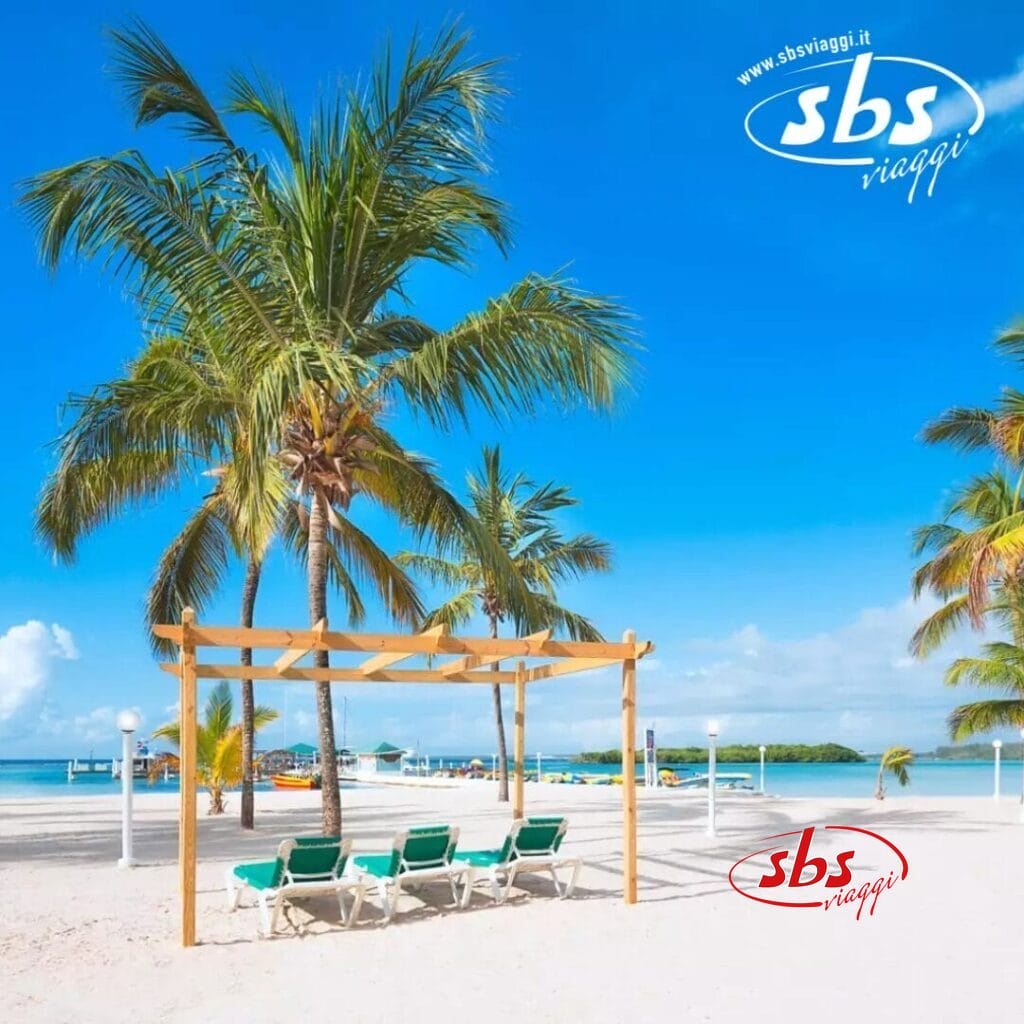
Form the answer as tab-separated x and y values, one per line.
290	657
472	661
567	667
380	643
464	664
519	746
629	866
187	770
339	675
381	661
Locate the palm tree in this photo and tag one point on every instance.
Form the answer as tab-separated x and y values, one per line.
219	757
895	761
1001	668
300	257
977	515
517	517
132	438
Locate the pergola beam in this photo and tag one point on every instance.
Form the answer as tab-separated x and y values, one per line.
378	643
381	661
338	675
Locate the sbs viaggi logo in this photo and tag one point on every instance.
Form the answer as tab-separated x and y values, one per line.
839	868
898	119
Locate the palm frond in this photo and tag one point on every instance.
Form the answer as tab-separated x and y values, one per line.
984	716
190	571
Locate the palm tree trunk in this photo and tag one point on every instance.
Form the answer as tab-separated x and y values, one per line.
249	588
880	787
317	584
499	720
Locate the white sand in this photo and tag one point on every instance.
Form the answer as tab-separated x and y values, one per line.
83	941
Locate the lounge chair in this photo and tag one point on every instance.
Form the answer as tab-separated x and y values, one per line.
304	866
531	845
420	854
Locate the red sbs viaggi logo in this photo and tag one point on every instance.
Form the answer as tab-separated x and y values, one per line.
899	119
831	867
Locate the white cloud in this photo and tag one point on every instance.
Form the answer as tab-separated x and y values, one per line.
854	684
27	655
96	725
1001	95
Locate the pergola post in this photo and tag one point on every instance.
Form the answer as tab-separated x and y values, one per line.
629	773
187	770
519	743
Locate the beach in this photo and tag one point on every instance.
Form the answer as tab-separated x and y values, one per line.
82	940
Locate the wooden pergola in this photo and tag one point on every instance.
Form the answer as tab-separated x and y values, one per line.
471	660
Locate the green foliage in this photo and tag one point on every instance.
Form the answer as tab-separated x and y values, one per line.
978	752
272	283
517	517
819	753
218	743
895	762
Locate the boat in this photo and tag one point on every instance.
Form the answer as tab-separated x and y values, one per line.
146	764
288	780
723	780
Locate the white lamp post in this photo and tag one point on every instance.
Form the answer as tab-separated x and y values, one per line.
997	746
538	768
712	737
494	766
762	749
127	721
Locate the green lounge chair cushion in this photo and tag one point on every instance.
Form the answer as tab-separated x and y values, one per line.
314	857
482	858
537	836
380	865
425	846
264	875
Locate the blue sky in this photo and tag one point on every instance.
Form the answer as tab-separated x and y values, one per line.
760	487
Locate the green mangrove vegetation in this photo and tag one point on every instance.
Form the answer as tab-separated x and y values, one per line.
736	753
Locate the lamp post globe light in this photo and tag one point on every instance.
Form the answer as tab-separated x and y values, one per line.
761	749
127	721
712	738
997	747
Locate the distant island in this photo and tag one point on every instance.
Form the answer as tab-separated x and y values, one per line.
974	752
740	753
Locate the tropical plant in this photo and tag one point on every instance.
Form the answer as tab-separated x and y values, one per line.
218	743
516	515
182	407
984	552
298	258
1000	668
895	762
976	515
976	565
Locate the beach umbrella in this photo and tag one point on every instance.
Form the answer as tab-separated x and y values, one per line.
476	763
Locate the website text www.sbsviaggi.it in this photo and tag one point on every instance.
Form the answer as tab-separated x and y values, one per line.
898	118
852	40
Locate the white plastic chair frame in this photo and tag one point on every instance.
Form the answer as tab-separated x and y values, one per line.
298	886
518	862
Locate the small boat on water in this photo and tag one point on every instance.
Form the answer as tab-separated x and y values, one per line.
723	780
288	780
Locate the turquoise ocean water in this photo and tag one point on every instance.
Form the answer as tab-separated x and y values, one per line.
928	778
